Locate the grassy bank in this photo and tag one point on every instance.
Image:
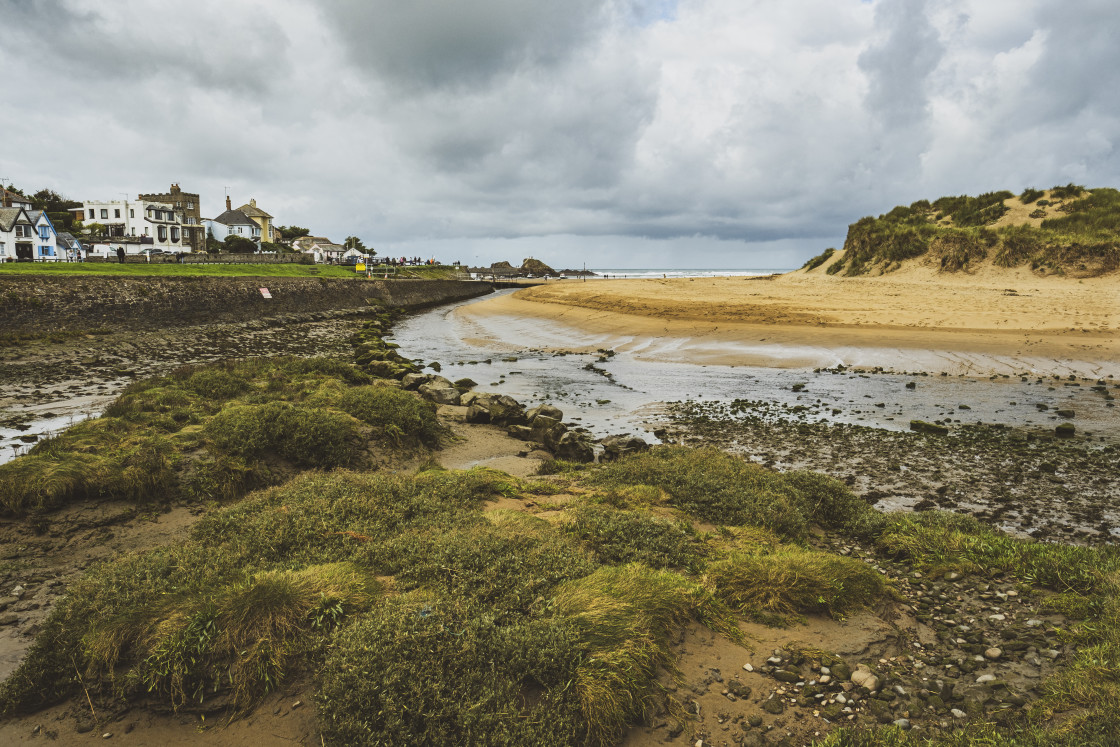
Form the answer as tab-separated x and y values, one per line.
208	270
1078	234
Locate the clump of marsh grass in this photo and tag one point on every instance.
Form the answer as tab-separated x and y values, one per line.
401	416
626	536
306	436
792	580
625	618
714	486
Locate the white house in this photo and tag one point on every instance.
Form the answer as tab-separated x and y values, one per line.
17	234
137	225
233	223
322	248
45	237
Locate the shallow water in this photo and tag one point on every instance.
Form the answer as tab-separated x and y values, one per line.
625	392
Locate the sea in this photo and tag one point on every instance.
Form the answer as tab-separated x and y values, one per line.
642	273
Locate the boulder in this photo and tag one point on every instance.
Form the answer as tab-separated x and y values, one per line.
467	398
933	429
499	409
616	447
414	380
574	447
547	430
437	392
547	410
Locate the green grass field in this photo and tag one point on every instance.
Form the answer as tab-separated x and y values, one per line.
208	270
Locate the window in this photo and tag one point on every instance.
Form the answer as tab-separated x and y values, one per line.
116	212
131	213
162	230
22	232
91	212
2	249
134	231
174	233
44	232
46	251
190	206
104	214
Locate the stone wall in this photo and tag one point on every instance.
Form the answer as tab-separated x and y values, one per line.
41	303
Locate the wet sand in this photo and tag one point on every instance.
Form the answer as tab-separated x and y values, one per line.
993	321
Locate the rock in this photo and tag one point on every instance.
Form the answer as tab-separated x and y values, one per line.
902	723
575	447
985	678
466	398
754	720
774	706
616	447
748	667
840	670
520	432
547	430
738	689
1065	430
958	713
934	429
864	677
465	384
9	618
788	677
436	392
547	410
414	380
993	653
881	711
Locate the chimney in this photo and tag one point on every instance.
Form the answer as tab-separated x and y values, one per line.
253	201
229	205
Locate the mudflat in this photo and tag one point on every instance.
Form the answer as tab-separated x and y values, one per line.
995	311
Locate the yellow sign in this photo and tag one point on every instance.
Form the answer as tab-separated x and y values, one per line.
359	268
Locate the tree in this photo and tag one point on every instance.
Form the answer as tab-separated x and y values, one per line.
292	232
353	242
213	246
238	245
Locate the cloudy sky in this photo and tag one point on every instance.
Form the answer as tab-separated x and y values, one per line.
620	133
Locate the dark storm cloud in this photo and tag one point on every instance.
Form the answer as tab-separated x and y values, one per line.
436	44
201	44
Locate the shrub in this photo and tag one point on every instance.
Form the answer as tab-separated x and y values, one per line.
217	383
1030	194
1069	191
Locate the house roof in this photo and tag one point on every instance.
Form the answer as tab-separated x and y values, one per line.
67	238
9	216
13	196
253	211
235	218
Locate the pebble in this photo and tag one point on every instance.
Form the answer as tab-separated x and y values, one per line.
985	678
993	653
748	667
902	723
1033	623
958	713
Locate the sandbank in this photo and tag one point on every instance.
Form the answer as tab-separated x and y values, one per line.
913	317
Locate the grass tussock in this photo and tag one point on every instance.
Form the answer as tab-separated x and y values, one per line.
716	487
627	536
791	580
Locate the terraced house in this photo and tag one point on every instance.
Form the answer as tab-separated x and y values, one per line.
235	223
137	225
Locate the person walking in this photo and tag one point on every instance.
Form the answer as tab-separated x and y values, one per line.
120	255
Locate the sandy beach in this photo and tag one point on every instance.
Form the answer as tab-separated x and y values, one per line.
893	321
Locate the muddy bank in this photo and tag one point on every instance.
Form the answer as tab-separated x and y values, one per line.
41	304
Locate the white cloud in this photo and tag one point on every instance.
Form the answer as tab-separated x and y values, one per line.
712	127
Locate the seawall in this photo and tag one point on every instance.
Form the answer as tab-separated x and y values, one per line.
31	303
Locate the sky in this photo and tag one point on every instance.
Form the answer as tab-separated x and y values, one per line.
611	133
